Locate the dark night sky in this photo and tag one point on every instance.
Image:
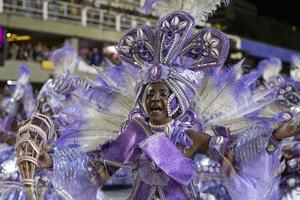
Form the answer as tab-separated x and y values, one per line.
284	10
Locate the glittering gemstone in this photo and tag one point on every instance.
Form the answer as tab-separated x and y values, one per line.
164	52
198	50
173	103
170	34
271	148
168	43
154	72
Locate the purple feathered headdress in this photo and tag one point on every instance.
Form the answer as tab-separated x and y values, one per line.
172	52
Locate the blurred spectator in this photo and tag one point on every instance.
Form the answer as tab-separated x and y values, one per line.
92	56
40	51
28	51
95	58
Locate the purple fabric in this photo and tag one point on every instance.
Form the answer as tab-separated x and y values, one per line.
296	150
143	191
179	135
174	192
157	159
7	123
191	117
151	174
221	131
168	158
218	147
125	148
254	177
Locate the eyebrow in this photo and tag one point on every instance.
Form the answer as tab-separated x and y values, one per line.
164	89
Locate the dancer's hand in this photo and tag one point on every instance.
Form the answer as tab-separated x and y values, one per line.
200	143
45	160
286	130
287	152
98	169
292	155
228	165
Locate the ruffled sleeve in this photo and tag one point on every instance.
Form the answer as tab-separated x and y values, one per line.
71	174
256	177
124	150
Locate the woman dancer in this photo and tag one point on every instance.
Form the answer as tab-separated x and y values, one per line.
181	108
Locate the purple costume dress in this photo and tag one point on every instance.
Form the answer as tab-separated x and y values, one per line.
202	98
221	106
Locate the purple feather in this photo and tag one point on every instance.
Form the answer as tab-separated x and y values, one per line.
64	56
117	74
72	118
101	96
24	69
246	83
273	61
147	6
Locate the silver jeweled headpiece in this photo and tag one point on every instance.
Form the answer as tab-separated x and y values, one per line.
173	52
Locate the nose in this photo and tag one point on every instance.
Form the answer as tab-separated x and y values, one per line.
156	96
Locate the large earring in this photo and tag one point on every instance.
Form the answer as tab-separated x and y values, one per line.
173	105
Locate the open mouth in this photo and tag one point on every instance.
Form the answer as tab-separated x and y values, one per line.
156	109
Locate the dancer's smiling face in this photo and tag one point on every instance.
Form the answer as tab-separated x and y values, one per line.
156	103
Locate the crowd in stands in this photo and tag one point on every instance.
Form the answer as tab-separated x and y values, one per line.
96	56
91	56
29	52
131	7
41	51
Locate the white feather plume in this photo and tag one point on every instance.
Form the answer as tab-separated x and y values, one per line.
295	67
219	105
199	9
103	124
